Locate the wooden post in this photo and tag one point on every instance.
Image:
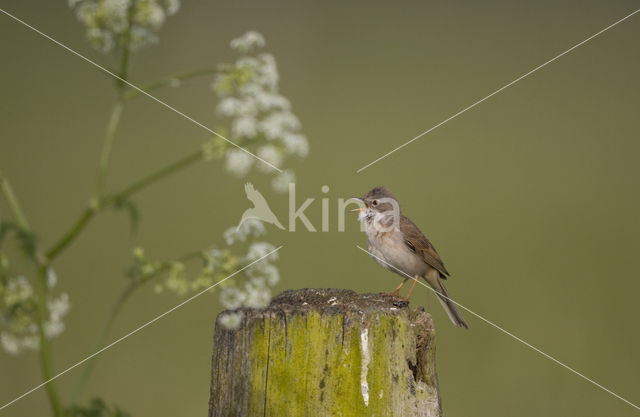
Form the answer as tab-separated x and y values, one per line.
326	352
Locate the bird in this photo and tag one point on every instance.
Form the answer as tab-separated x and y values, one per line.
398	245
260	209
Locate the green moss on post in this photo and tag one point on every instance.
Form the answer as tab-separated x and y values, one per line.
326	352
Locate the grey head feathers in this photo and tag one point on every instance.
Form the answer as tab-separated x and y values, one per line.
380	198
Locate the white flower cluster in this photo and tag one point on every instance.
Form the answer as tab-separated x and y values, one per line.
109	23
259	249
248	228
254	292
262	275
261	118
18	328
248	41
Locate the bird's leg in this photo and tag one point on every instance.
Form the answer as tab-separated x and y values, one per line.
396	292
413	285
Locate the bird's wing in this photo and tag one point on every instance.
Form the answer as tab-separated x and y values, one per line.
418	243
254	195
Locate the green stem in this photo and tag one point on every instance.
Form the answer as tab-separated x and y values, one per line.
101	201
90	211
116	112
45	347
154	177
46	361
14	205
73	232
105	155
169	81
125	51
111	200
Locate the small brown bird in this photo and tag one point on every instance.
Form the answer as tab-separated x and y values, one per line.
399	246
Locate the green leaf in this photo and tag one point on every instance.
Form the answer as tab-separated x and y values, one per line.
5	228
133	212
26	240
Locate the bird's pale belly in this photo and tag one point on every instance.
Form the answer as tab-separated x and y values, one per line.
395	256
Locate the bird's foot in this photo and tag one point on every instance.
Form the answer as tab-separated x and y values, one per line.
395	293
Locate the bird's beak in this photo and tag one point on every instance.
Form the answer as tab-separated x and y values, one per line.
359	208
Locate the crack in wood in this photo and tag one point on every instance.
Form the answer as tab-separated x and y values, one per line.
266	377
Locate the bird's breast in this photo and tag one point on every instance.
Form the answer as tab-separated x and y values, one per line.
390	251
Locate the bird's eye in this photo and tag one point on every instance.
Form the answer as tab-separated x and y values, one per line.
374	203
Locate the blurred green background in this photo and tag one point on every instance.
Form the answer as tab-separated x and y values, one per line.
531	198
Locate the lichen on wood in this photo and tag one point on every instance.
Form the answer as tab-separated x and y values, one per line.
326	352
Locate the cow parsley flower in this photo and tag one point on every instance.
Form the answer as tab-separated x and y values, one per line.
248	41
270	154
52	278
177	280
258	294
13	344
18	314
17	290
259	249
231	320
248	228
265	270
244	126
243	270
296	144
258	113
232	298
58	307
172	6
266	101
278	124
261	275
231	106
282	180
239	162
110	23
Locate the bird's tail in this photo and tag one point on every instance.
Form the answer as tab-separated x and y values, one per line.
443	296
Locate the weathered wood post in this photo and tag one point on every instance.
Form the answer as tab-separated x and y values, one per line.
326	352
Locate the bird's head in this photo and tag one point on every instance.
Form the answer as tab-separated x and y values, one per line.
378	203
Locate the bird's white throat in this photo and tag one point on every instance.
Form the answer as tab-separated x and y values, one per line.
376	222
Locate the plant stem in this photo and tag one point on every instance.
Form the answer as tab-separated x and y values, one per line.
73	232
45	347
116	112
12	201
154	177
46	361
110	200
90	211
105	155
124	56
170	80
